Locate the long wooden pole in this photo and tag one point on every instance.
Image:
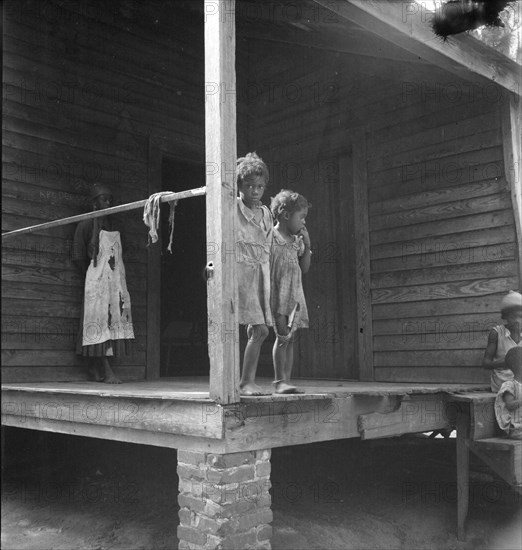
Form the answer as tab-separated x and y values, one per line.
105	212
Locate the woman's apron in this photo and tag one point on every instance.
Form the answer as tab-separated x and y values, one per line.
107	307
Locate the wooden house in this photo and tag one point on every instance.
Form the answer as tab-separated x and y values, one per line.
408	148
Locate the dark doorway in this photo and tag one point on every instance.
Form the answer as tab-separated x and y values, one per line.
183	289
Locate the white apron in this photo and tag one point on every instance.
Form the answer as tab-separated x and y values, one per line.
107	306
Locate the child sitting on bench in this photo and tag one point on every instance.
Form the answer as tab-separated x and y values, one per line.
508	404
503	338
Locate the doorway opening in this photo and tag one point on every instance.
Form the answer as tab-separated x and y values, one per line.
183	287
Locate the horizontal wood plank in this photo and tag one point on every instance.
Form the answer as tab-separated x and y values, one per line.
466	247
61	358
432	275
432	374
430	358
452	226
487	304
69	373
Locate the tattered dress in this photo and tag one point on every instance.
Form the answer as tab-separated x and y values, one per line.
106	323
253	265
286	279
509	421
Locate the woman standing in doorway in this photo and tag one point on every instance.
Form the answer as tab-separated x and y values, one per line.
106	321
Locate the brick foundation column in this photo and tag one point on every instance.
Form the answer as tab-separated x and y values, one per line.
224	500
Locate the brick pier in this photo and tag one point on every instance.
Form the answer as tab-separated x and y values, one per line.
224	500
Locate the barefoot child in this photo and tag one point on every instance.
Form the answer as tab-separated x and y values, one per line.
105	324
502	338
508	404
290	258
254	231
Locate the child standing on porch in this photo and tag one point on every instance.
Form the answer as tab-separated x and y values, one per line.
290	258
502	338
254	239
508	404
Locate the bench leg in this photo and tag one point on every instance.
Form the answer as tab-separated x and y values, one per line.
463	421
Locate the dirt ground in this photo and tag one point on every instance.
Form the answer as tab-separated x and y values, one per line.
348	494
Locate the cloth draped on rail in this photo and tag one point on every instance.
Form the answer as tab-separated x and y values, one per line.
151	217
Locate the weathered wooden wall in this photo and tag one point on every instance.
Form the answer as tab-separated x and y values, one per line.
442	235
87	87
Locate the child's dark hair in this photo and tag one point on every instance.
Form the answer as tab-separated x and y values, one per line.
511	303
509	311
250	166
287	201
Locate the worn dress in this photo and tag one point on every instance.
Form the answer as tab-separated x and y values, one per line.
504	343
253	267
286	279
106	319
509	421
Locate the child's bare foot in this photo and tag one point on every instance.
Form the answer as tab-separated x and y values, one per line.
283	387
251	389
110	377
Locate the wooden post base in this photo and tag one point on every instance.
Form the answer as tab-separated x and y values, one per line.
224	500
463	429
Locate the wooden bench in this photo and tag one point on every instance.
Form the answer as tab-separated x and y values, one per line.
502	455
478	431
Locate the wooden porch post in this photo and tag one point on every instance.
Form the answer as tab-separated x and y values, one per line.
511	108
152	370
463	429
220	130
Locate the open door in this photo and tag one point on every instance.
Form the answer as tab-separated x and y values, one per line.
177	309
183	307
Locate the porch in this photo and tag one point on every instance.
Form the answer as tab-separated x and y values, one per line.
178	413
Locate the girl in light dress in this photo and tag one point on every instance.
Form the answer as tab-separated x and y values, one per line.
290	258
254	238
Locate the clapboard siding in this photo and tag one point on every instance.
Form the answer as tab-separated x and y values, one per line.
442	239
84	94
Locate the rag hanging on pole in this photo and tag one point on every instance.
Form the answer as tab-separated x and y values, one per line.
167	197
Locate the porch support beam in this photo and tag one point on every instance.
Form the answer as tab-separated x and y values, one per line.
220	132
407	24
511	111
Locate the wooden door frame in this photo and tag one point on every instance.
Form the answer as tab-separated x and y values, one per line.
345	254
362	256
157	154
356	155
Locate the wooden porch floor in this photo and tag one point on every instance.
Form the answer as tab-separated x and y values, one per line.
196	389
